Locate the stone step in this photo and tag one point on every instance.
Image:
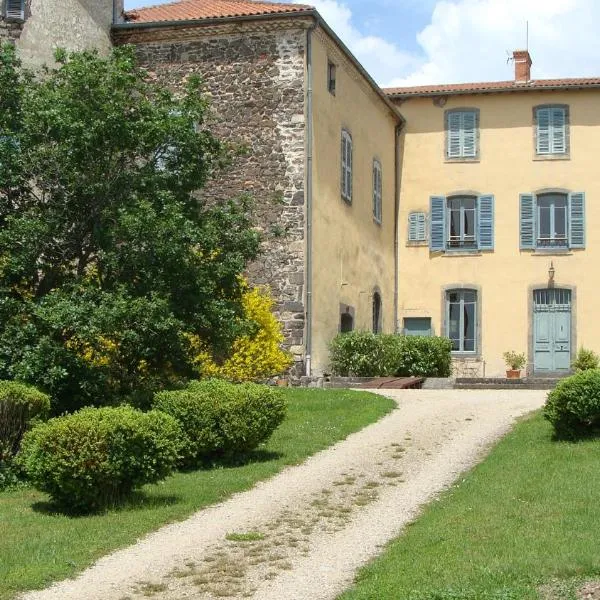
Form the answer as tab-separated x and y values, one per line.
527	383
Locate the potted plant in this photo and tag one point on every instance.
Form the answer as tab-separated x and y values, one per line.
515	362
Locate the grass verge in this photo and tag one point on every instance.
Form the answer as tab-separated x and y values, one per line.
527	516
38	546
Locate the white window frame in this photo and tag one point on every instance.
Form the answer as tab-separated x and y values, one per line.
461	303
377	191
346	164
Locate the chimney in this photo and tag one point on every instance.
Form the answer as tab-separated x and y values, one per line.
522	60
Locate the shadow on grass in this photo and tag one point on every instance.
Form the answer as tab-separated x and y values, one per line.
238	460
138	500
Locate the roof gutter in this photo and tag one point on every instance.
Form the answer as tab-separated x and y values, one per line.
313	13
502	90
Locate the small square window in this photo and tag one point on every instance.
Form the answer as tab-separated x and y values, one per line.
331	80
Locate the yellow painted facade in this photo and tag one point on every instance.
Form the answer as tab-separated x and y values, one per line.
507	166
353	255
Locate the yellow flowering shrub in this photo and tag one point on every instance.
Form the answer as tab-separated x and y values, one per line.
253	357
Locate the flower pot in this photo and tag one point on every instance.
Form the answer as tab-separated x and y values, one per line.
513	374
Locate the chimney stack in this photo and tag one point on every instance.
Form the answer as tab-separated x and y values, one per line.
522	60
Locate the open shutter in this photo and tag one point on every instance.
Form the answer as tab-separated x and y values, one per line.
543	130
485	221
15	9
558	131
454	135
469	127
349	168
437	236
527	222
577	220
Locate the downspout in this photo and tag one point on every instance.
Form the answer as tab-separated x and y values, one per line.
309	198
397	186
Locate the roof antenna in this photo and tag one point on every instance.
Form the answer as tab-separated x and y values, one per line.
527	40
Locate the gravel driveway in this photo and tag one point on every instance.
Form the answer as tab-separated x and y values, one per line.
311	527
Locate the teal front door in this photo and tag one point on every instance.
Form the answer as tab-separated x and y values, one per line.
552	330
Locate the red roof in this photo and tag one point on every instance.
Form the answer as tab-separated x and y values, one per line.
493	86
192	10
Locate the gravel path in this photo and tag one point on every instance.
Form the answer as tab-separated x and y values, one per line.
311	527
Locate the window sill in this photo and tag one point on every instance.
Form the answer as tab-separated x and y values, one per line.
551	252
462	253
467	356
542	157
377	222
347	201
417	244
462	160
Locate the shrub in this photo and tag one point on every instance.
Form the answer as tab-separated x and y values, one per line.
20	406
218	417
255	356
424	357
585	360
573	407
97	456
364	354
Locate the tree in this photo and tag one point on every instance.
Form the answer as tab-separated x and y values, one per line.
109	258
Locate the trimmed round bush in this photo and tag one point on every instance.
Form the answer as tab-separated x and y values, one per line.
20	407
221	418
573	407
97	456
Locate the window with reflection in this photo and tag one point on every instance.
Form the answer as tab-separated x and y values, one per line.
461	320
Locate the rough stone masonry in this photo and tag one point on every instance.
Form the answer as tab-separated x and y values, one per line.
255	79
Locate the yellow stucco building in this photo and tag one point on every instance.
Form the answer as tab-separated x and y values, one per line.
466	211
498	244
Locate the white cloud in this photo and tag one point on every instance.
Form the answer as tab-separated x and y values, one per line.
468	40
383	60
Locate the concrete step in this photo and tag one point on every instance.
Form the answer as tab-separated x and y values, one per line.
527	383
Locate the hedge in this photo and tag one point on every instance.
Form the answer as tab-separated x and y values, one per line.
365	354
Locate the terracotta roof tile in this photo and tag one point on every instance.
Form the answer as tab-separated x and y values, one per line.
191	10
493	86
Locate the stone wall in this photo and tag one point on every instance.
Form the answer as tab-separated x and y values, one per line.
256	82
9	31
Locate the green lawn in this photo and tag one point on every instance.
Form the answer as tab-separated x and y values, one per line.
37	547
528	515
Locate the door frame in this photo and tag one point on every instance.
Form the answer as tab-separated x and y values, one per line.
530	322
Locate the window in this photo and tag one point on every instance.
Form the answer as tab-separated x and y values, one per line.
14	9
346	323
377	313
420	326
417	227
552	221
461	319
551	130
461	133
331	77
346	166
377	191
461	223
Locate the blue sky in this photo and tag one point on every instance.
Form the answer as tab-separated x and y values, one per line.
414	42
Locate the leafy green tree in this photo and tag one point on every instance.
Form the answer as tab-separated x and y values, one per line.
110	258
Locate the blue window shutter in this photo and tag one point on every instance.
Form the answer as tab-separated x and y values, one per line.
15	9
469	131
485	223
437	236
454	127
527	222
577	220
543	130
558	141
416	227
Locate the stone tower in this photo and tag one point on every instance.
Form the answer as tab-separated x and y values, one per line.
70	24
